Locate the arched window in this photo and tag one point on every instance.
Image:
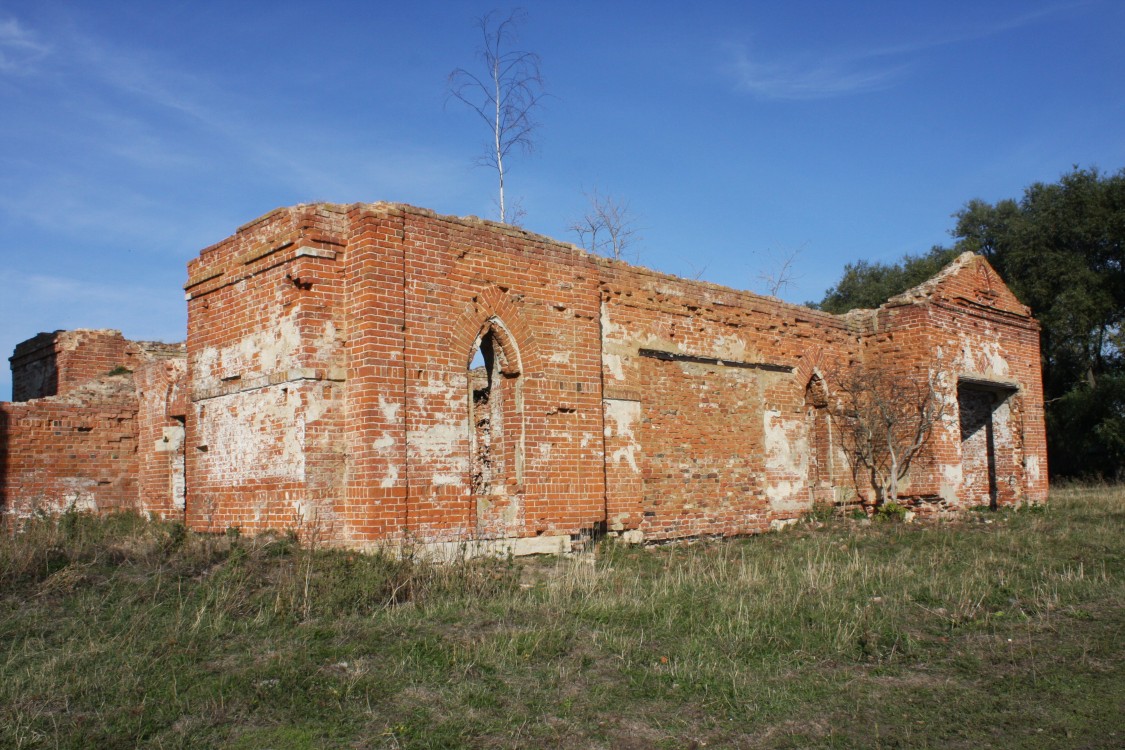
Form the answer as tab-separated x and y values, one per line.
819	431
496	431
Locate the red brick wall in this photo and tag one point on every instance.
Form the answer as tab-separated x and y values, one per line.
967	326
56	363
160	419
77	451
720	446
265	323
329	354
543	299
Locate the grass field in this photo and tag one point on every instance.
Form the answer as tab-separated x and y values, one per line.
999	630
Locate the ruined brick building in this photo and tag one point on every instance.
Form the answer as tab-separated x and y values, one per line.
376	372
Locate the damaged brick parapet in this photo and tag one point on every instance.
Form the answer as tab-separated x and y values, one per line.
371	374
78	436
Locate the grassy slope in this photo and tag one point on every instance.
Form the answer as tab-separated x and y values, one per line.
1003	630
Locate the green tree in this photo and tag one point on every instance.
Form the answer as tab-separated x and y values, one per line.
868	285
1061	248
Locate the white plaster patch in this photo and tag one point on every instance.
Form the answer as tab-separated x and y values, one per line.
985	358
171	439
951	478
446	480
1032	465
621	416
78	494
608	328
613	363
389	409
278	348
438	441
730	348
561	358
786	457
258	434
391	477
383	443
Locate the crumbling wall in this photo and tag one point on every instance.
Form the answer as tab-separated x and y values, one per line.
265	327
71	452
72	442
707	431
966	332
377	373
400	376
56	363
161	387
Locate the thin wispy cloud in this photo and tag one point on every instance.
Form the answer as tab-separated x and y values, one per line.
20	49
821	79
863	71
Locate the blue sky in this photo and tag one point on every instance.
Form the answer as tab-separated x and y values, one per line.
134	134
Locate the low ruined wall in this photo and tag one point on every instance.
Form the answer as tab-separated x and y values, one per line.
73	452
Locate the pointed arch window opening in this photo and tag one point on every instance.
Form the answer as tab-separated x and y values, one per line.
496	423
819	431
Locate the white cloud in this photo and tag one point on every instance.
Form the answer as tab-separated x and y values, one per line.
816	79
19	48
843	74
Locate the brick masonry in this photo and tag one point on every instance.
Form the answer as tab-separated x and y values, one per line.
81	433
376	373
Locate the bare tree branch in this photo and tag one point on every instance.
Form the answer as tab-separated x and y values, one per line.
884	421
607	228
506	97
780	270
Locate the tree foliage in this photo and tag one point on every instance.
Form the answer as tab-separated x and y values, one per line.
867	285
1061	249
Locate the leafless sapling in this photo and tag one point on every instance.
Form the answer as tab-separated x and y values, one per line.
884	419
607	228
505	96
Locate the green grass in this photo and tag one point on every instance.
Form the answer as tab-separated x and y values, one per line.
998	630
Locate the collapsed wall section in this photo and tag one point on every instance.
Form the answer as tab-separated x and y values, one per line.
81	438
53	364
72	452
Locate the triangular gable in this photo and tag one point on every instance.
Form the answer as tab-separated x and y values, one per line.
968	281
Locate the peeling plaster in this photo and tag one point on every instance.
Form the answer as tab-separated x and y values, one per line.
278	348
391	478
952	476
256	435
786	460
624	415
389	409
613	362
